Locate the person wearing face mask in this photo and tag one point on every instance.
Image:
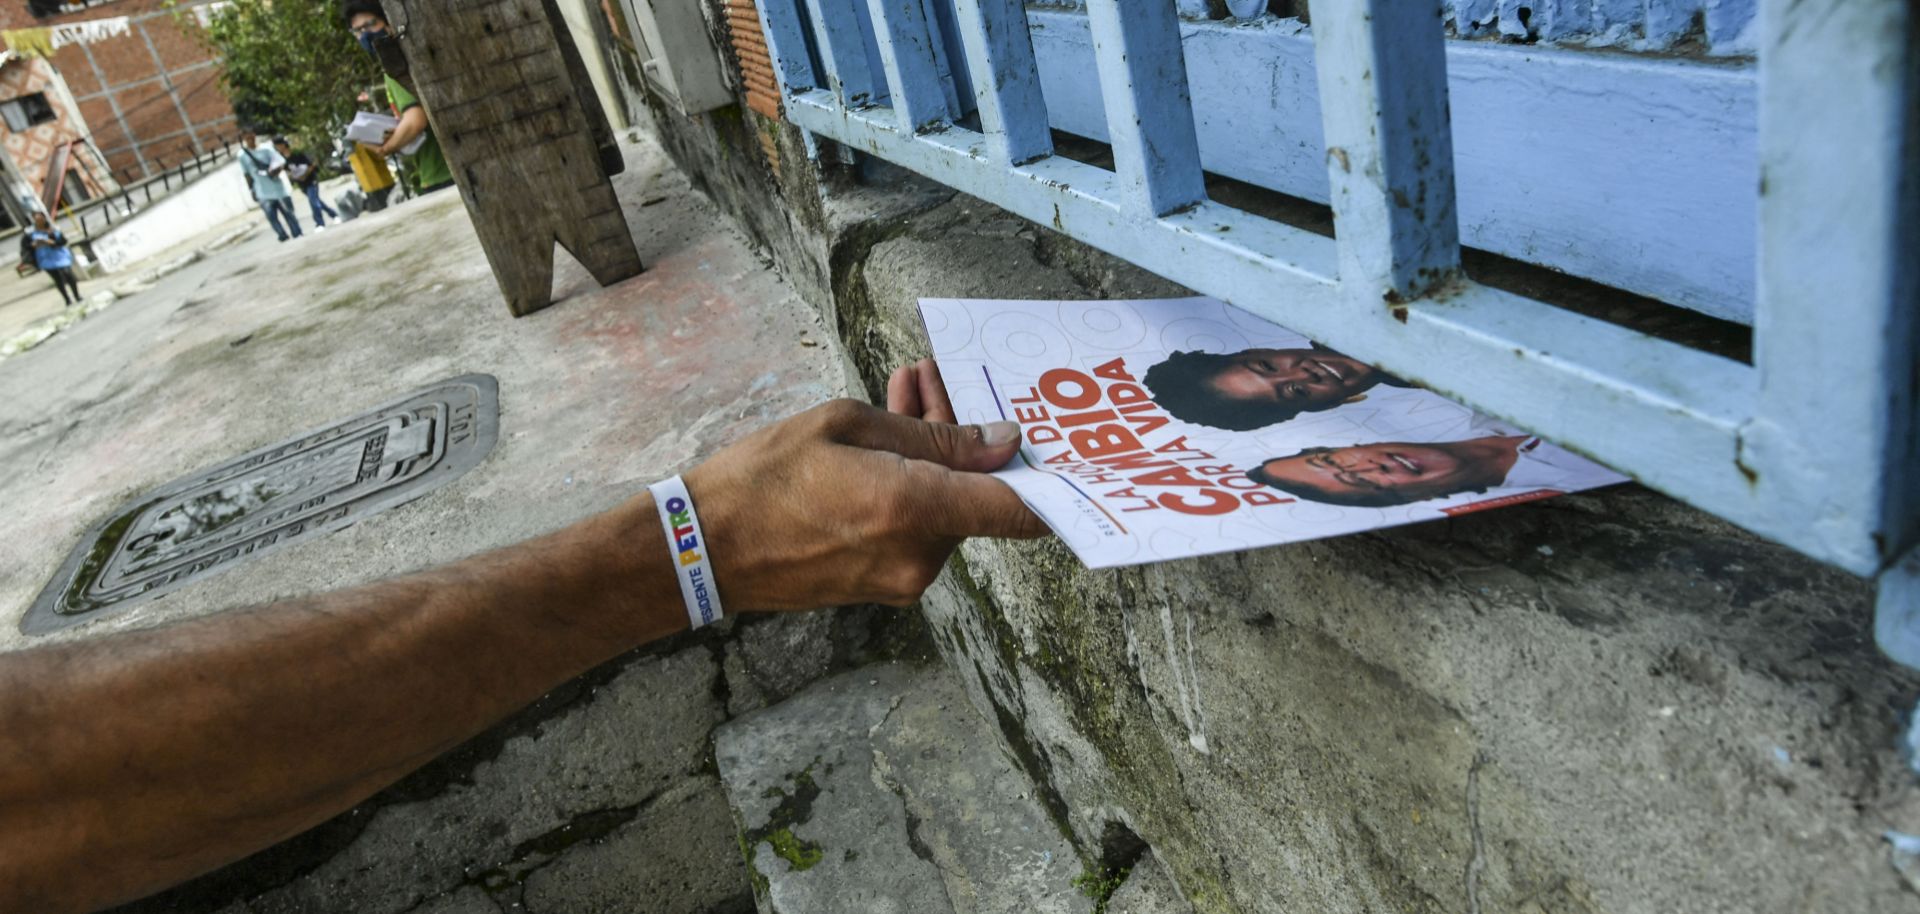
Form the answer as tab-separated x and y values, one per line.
367	20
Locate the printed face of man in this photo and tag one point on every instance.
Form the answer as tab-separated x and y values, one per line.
1403	471
1304	379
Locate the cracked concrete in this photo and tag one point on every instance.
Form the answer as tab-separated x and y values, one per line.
912	810
601	795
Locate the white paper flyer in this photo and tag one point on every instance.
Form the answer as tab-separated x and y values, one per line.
1162	429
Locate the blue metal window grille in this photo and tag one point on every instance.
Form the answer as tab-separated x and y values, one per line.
1812	445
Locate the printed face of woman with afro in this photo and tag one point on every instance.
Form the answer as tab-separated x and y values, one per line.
1253	388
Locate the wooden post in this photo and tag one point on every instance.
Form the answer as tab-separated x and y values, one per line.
526	139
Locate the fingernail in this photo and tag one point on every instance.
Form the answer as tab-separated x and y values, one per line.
995	434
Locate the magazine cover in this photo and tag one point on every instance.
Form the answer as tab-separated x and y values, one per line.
1162	429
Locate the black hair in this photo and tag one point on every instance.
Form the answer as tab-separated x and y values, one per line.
1371	498
1182	385
281	141
352	8
1386	380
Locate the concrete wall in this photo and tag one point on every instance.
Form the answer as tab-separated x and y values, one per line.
586	31
1597	703
218	196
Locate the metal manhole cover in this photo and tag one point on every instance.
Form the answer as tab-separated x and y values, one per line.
286	493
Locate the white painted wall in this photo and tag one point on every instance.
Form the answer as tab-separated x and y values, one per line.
577	13
206	203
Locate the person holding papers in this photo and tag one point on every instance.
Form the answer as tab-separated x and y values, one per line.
263	168
51	255
367	20
306	177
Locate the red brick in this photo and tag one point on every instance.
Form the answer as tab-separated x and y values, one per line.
98	114
124	61
203	96
107	134
176	46
72	63
148	110
168	152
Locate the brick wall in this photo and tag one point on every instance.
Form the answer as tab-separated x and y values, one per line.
152	97
32	149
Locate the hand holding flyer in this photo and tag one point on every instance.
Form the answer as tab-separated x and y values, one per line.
372	129
1163	429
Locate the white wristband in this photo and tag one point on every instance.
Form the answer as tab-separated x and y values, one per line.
688	546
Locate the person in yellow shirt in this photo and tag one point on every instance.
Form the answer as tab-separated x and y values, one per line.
370	170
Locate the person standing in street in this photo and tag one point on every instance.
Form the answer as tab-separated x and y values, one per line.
262	168
305	176
51	255
367	20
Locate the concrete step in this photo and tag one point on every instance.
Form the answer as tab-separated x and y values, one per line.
882	791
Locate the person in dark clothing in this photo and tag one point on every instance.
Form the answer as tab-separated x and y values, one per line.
306	176
51	255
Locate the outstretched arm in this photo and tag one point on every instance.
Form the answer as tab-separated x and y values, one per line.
137	760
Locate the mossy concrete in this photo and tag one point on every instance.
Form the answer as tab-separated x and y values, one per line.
1607	702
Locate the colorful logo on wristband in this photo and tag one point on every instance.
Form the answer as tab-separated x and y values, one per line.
680	514
686	542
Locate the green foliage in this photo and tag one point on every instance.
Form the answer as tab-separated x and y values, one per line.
291	66
1100	885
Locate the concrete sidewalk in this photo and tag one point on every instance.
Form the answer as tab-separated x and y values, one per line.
600	394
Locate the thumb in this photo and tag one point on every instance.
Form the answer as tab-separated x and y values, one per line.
970	504
970	448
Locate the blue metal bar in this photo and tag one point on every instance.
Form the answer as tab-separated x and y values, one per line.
1383	92
908	55
842	44
780	23
1834	443
1817	445
1657	410
1006	80
1143	78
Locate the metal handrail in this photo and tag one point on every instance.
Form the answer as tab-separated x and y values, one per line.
167	178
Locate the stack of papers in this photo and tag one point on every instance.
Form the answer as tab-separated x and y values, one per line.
1157	430
372	129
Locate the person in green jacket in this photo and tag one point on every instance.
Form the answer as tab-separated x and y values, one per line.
367	20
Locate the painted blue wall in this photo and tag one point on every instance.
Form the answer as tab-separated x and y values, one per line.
1709	27
1638	172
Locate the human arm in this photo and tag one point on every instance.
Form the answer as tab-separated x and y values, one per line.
137	760
413	122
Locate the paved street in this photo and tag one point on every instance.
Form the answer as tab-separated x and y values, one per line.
599	394
603	392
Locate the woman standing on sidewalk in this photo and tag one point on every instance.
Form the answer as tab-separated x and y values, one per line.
50	253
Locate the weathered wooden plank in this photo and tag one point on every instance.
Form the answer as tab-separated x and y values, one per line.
531	150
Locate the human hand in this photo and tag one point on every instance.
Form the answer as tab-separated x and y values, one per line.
916	391
845	503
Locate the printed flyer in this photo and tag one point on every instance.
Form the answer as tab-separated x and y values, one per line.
1162	429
